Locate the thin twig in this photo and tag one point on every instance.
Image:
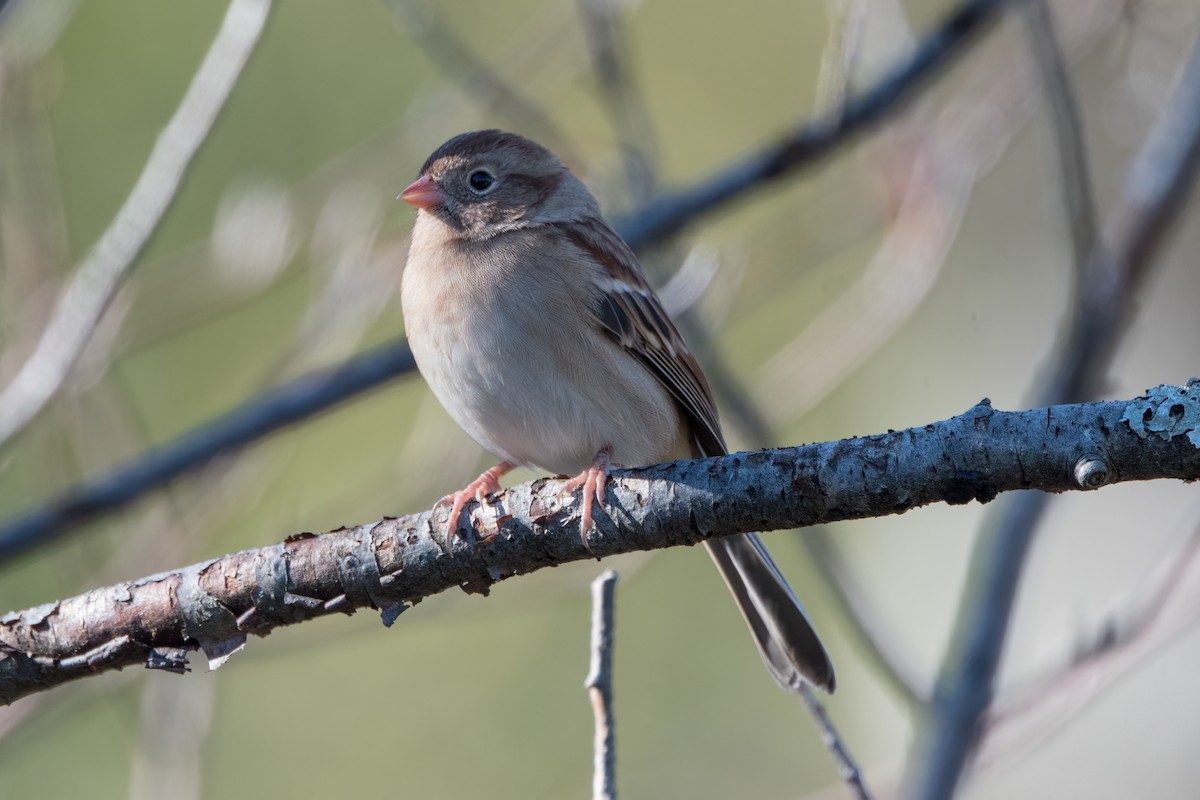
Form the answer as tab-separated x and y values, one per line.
104	269
964	688
175	723
1161	178
849	770
599	684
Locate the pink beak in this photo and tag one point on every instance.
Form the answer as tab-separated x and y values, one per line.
423	193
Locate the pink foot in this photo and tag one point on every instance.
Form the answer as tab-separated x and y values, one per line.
487	483
593	480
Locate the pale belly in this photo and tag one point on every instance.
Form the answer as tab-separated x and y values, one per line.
536	387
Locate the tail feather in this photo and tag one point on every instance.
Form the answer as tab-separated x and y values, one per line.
786	639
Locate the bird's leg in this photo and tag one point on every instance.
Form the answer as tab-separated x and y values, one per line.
487	483
593	480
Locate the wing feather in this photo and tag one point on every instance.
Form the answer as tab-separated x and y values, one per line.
629	311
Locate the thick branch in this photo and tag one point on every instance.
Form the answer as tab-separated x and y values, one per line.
396	562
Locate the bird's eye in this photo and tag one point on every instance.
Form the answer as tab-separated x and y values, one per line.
480	180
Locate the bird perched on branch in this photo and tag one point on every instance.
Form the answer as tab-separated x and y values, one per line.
533	324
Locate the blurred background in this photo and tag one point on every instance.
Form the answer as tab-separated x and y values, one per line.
897	283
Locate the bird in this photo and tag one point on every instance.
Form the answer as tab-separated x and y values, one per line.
534	325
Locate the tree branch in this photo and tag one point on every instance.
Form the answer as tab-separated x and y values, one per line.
393	563
836	745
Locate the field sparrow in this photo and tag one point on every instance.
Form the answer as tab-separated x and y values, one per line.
533	324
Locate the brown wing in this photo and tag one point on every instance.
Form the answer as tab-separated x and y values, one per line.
632	314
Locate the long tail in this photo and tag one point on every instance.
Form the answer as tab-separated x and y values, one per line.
786	639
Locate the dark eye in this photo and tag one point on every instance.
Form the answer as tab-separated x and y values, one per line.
481	180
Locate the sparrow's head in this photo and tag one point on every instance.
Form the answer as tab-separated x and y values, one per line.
487	182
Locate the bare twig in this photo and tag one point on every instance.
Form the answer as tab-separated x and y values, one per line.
849	770
599	684
1160	179
389	564
1157	186
106	266
964	688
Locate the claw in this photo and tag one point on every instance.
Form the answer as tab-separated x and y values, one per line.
593	479
487	483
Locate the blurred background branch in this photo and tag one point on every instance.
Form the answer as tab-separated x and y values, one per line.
101	274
